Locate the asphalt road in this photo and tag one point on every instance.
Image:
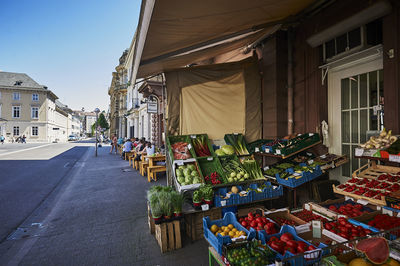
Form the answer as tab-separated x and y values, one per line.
28	175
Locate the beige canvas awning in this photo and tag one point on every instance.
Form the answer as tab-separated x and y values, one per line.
174	33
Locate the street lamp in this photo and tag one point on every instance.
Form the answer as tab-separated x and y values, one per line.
97	111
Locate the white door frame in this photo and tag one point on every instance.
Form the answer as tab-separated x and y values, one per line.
368	64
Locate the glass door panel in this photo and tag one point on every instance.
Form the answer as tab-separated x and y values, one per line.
358	96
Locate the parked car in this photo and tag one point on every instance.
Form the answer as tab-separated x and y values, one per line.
72	138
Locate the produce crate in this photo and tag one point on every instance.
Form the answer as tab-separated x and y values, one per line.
182	138
178	163
168	236
315	207
245	210
380	202
219	198
325	239
194	222
209	165
338	202
364	223
245	199
309	139
393	200
258	143
291	182
373	170
218	241
253	245
276	191
309	258
284	214
210	147
244	140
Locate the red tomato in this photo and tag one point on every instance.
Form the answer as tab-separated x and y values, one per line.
286	236
244	223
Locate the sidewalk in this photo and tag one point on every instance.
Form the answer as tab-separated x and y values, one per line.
99	217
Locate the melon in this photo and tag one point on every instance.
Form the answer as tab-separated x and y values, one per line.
359	262
375	248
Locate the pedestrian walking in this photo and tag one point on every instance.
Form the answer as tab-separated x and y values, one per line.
113	144
23	139
2	139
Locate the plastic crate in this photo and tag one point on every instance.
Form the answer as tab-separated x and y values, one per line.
218	241
373	229
291	182
210	147
219	201
178	163
307	140
258	143
310	257
209	165
244	140
276	191
181	138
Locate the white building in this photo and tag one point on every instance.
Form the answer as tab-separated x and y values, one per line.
90	119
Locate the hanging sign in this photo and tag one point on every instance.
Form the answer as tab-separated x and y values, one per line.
152	104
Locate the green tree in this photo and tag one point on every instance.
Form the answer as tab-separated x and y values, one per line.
103	121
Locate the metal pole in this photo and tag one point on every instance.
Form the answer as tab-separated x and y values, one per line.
96	132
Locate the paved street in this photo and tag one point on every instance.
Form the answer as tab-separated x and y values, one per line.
75	209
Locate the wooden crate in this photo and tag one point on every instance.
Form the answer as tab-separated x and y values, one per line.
380	202
373	170
150	220
194	222
168	236
243	211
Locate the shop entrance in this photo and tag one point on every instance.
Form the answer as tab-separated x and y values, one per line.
353	93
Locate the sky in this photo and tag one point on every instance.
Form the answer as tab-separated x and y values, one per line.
72	46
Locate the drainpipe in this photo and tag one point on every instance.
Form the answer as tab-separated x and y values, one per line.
290	80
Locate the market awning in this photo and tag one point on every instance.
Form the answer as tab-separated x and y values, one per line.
175	33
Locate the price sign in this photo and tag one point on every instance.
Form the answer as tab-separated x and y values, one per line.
316	228
267	151
193	136
180	162
363	202
386	211
210	158
223	202
348	198
310	161
266	168
307	207
394	158
257	149
311	134
205	207
189	146
278	152
323	156
359	152
235	134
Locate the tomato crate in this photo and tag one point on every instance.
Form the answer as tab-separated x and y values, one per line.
337	203
285	214
184	153
365	222
209	165
193	137
218	241
310	257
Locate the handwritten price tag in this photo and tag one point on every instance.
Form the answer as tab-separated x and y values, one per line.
266	168
189	146
193	136
359	152
210	158
205	207
278	152
394	158
257	149
180	162
223	202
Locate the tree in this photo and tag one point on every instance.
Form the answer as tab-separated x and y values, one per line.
103	121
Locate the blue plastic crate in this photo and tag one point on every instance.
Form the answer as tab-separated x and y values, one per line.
373	229
276	192
228	202
291	182
309	258
218	241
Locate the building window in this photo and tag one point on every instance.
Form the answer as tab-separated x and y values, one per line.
35	97
35	112
16	131
35	131
16	111
16	96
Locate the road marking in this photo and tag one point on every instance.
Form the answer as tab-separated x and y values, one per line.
25	149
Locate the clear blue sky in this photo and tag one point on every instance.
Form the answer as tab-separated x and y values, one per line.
70	46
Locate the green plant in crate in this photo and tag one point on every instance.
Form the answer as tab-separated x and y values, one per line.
155	207
252	168
177	202
166	203
197	197
238	143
